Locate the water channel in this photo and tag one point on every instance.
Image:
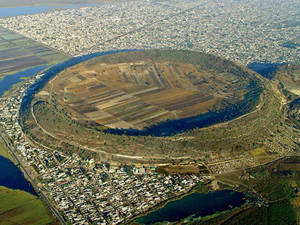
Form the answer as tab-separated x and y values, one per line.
194	205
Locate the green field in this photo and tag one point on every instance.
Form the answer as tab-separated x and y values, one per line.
19	207
10	37
18	53
4	151
278	184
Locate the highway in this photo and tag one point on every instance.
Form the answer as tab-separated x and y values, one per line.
36	188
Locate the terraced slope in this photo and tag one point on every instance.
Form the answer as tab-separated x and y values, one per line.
140	89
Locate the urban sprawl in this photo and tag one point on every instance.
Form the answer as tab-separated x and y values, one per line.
88	192
242	31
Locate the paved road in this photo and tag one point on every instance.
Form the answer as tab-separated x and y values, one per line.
37	189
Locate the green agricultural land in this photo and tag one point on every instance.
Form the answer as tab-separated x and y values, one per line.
19	207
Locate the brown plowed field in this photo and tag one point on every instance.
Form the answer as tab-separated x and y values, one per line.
140	89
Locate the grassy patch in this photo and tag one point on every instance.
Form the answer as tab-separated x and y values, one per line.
281	213
19	207
24	78
257	152
4	151
11	36
202	188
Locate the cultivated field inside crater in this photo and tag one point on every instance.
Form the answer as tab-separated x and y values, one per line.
140	89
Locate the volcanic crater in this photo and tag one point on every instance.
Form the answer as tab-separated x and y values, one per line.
136	90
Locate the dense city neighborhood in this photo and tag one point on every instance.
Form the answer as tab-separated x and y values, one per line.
243	32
